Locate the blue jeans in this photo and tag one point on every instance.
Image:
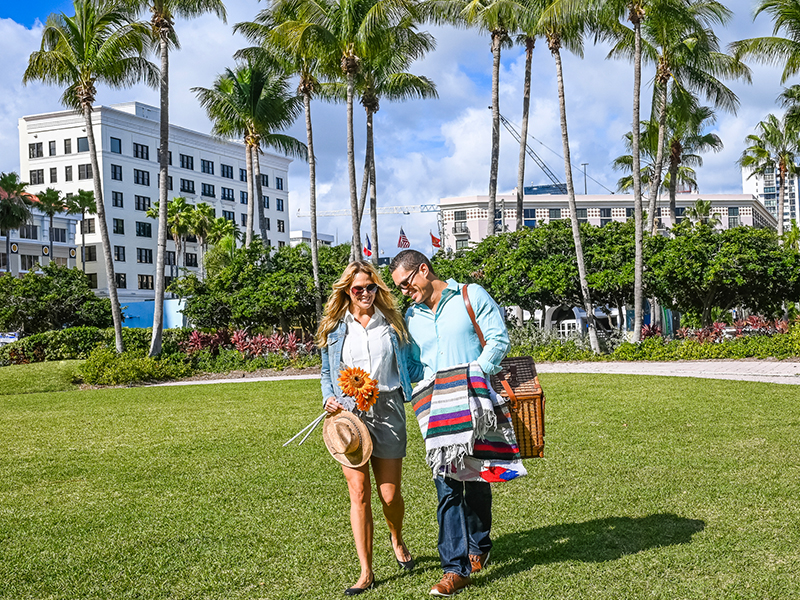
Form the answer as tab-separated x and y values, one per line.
465	521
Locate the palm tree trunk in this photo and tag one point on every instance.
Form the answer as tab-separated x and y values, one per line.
362	200
355	250
202	244
163	192
573	213
526	104
312	202
373	197
674	160
51	238
781	196
251	195
496	39
262	220
655	183
8	251
116	311
638	269
83	241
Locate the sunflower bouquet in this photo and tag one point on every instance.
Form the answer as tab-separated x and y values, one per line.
356	383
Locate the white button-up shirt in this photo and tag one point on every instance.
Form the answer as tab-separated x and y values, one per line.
370	348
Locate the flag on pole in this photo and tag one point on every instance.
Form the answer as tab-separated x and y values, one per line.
435	242
403	241
367	248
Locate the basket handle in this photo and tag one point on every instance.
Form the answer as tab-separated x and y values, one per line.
512	397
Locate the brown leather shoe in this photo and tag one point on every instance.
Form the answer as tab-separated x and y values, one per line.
450	585
478	561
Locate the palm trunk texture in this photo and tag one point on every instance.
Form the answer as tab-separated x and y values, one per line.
312	202
638	269
251	194
526	105
355	250
496	39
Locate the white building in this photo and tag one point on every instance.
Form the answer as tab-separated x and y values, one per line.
54	153
301	236
465	219
766	188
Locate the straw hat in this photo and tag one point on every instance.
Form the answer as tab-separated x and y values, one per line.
347	438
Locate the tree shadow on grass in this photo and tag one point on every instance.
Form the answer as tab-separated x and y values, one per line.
598	540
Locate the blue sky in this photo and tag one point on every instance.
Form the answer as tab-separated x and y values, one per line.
426	149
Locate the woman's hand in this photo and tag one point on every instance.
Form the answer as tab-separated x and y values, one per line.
332	405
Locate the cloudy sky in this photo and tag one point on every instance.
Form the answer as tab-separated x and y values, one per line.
426	150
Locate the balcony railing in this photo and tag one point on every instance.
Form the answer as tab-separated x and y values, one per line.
460	228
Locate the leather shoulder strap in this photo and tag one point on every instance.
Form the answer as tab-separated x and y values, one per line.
472	315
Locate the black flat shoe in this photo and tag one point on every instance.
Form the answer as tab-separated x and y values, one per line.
355	591
407	565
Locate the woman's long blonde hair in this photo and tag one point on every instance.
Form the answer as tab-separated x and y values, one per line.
339	303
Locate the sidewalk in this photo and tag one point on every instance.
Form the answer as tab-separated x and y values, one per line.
764	371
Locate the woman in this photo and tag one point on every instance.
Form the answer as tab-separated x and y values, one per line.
362	327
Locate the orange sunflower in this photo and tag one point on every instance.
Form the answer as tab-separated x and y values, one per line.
356	383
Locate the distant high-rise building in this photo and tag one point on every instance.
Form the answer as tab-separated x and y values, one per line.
766	188
54	153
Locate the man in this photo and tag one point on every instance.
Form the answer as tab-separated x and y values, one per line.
442	336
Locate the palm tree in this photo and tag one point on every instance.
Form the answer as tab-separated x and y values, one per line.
222	228
99	43
162	23
179	220
701	213
15	208
201	223
51	203
567	30
773	149
82	204
253	101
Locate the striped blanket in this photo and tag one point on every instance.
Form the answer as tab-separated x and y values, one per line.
466	427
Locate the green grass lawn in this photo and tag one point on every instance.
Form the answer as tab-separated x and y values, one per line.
55	376
652	488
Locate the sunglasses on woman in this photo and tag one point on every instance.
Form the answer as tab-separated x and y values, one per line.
358	290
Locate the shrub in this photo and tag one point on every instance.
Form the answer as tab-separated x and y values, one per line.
105	367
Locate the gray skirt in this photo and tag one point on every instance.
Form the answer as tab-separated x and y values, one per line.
387	425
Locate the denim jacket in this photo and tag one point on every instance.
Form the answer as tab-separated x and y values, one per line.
332	358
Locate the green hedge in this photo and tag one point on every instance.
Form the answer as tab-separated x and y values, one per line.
105	367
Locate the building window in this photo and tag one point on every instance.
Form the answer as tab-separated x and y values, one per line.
281	226
229	215
190	258
187	185
554	214
119	253
116	200
528	218
91	254
226	171
226	193
145	282
733	217
244	220
116	145
460	215
243	175
83	144
52	147
581	215
265	180
67	146
279	204
187	162
92	280
35	150
265	201
58	234
36	176
29	232
141	177
268	224
122	281
53	175
605	216
118	226
116	172
461	244
207	166
87	226
141	151
207	190
144	229
144	255
243	197
279	183
169	156
169	258
142	202
29	262
68	173
191	238
85	171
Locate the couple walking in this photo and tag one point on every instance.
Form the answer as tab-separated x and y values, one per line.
362	327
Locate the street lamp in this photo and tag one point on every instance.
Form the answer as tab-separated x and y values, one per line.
584	178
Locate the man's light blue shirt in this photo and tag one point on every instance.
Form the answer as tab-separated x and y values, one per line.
447	338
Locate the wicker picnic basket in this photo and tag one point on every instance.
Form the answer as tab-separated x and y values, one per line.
519	384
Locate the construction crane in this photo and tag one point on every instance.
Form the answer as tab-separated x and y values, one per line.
529	151
382	210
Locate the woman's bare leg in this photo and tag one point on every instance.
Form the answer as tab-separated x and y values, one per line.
358	483
387	479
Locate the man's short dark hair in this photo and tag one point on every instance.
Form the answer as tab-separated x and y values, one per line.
410	260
